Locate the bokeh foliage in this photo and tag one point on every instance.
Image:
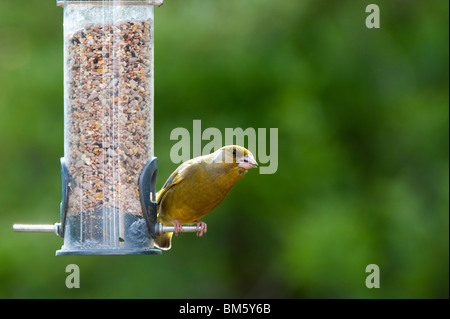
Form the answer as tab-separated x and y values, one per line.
363	170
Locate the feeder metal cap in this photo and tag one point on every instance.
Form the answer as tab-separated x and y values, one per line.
157	3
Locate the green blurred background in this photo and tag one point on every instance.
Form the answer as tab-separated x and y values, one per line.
363	173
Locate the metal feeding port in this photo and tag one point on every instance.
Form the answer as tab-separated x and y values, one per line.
108	171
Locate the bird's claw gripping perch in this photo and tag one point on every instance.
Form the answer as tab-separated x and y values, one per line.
178	228
201	229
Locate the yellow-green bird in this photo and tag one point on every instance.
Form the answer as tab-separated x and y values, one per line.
197	186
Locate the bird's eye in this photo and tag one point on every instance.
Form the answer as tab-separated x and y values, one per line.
234	152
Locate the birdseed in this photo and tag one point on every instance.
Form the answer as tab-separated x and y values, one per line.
108	114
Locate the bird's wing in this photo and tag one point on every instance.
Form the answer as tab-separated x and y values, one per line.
177	176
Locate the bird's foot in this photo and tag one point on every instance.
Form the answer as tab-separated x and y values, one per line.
201	228
178	227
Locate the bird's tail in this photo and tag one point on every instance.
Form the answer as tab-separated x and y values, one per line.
164	241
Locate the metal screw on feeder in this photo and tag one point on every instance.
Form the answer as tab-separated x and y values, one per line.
108	171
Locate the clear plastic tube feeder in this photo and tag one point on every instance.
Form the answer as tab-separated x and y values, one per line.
108	170
108	121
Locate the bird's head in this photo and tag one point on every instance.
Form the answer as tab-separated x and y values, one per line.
228	164
235	156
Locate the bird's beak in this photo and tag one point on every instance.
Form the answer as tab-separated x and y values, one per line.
247	162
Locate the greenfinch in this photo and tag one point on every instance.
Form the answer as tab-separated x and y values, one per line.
198	186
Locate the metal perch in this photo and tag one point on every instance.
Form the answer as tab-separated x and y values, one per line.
56	228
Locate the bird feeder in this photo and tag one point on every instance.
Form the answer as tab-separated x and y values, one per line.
108	171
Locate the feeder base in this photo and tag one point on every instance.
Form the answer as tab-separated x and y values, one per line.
108	252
